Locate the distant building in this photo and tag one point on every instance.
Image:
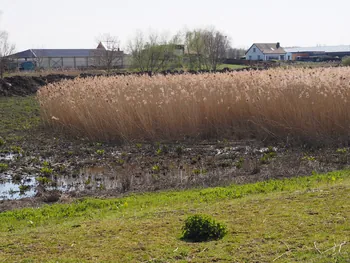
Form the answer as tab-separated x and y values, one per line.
321	51
66	58
266	51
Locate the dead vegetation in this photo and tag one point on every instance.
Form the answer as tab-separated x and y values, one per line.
308	105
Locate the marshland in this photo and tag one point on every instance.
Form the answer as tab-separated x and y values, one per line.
133	156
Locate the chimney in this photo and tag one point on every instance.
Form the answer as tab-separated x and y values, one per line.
278	45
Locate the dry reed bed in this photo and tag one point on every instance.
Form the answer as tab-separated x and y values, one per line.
303	104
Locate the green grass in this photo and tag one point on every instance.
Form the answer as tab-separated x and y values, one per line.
303	219
230	66
18	115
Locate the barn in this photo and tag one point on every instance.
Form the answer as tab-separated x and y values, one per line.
68	58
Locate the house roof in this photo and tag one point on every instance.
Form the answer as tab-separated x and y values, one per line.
32	53
55	53
101	46
327	49
270	48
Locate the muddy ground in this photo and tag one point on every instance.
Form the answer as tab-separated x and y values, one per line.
40	166
27	85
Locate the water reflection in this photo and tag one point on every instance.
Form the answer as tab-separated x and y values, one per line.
90	178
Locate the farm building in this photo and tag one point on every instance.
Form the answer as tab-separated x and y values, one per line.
297	53
69	58
266	51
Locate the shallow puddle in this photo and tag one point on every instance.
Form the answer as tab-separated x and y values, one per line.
16	190
8	157
227	164
91	179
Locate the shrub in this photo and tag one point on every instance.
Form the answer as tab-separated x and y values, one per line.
346	61
267	157
240	163
46	171
200	228
23	188
3	167
179	150
16	149
100	152
43	180
155	168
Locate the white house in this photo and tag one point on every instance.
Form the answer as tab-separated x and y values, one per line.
266	51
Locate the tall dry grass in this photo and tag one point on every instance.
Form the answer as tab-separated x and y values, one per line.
302	104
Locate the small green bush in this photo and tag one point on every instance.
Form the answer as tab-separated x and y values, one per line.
155	168
46	171
199	228
346	61
341	150
179	150
16	149
43	180
23	188
100	152
267	157
3	167
240	162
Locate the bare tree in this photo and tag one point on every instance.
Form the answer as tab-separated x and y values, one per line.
215	45
206	48
194	49
235	53
6	49
154	53
108	52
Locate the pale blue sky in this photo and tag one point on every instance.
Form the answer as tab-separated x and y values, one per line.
77	23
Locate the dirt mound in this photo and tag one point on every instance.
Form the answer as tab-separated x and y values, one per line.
51	78
25	85
19	86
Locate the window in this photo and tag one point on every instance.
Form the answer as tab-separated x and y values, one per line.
250	57
259	57
254	50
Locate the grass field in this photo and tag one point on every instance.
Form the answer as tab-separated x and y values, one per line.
303	219
18	115
231	66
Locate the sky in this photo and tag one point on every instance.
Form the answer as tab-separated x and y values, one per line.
78	23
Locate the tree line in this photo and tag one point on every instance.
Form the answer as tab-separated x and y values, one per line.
198	49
